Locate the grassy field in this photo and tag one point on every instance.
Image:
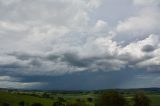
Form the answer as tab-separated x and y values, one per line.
155	100
13	98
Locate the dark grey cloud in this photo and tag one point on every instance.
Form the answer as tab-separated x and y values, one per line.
148	48
110	57
71	39
74	60
94	80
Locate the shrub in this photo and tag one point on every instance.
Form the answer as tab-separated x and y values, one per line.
111	98
58	103
21	103
77	103
61	99
36	104
45	95
5	104
89	99
140	99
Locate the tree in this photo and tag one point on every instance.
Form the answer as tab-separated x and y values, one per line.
45	95
21	103
58	103
61	99
140	99
111	98
77	103
36	104
5	104
89	99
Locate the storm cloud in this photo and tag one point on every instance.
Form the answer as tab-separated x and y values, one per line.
58	38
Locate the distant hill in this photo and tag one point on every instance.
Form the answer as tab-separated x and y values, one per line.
148	90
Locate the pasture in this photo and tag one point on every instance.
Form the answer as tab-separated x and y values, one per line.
14	98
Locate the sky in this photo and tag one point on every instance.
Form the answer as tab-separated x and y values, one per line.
79	44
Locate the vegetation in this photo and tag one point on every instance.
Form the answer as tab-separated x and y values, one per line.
21	103
140	99
98	98
36	104
112	98
5	104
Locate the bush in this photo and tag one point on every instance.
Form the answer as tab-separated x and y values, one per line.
89	99
58	103
77	103
5	104
140	99
45	95
21	103
36	104
111	98
61	99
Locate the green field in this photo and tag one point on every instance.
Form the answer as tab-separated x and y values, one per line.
155	100
14	98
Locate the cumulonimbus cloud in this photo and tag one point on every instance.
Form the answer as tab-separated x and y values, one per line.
59	37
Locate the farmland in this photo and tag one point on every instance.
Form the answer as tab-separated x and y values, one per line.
13	98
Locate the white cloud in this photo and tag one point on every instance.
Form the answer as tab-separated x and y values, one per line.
100	26
8	84
135	55
6	78
56	37
146	2
35	25
146	21
14	82
8	2
12	26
